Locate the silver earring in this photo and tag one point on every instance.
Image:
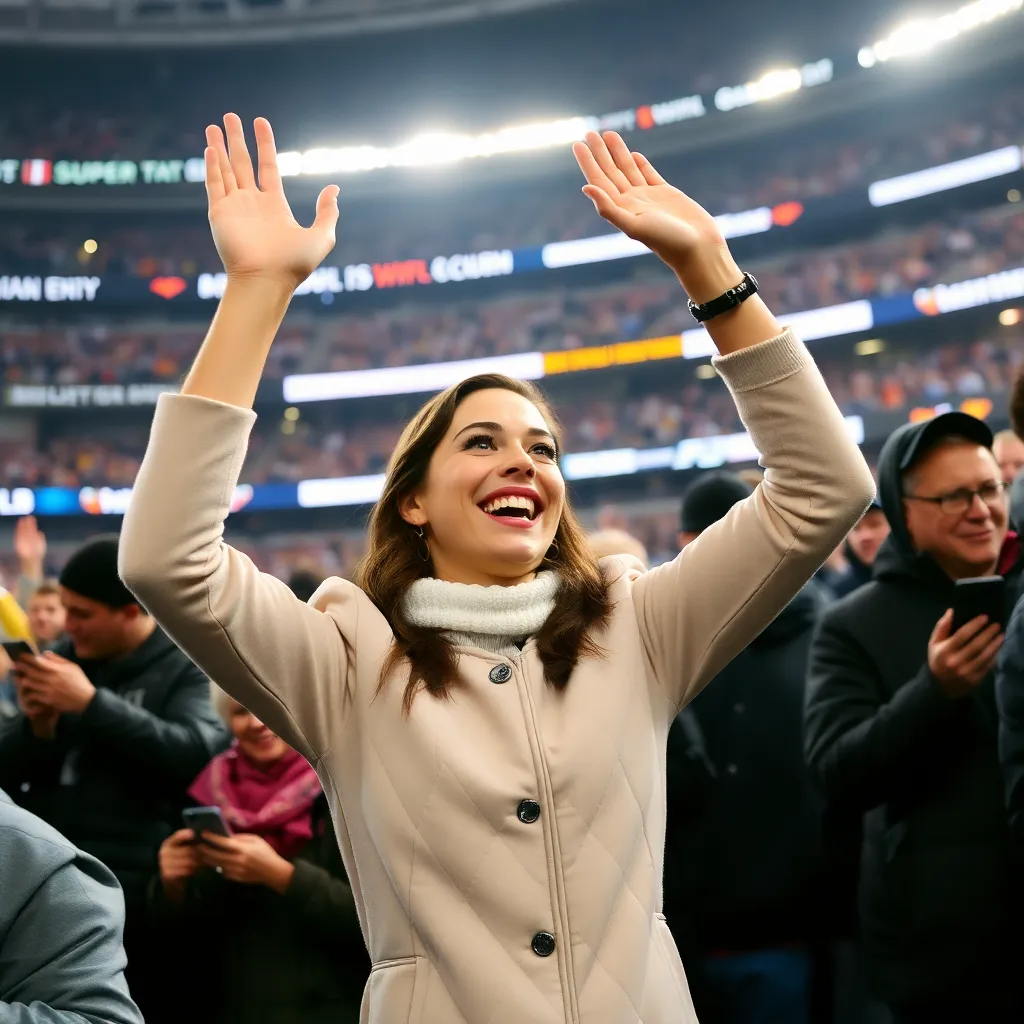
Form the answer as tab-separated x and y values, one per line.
425	553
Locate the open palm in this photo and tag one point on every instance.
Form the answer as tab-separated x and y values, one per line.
253	227
630	194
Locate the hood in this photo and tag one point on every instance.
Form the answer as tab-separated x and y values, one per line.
800	615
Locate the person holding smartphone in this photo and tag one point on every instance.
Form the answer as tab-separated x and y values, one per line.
261	899
900	727
487	705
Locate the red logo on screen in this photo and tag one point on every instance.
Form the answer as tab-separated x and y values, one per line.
167	287
644	117
241	497
401	274
36	172
787	213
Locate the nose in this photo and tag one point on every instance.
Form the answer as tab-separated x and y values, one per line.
978	509
520	464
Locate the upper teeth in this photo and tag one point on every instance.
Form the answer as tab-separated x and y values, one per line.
510	501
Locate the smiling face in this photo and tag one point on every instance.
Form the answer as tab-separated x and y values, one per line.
493	494
260	745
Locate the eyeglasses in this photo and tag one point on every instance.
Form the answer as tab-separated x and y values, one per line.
956	503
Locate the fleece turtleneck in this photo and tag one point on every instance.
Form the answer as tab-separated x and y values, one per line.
498	619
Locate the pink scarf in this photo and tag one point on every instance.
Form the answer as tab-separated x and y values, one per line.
272	802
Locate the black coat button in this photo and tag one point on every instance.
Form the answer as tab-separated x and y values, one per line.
543	944
500	674
529	811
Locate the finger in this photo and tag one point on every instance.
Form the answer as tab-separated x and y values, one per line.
326	221
984	660
969	631
215	139
604	160
214	181
591	169
651	176
623	158
266	155
971	651
941	631
183	837
241	162
608	208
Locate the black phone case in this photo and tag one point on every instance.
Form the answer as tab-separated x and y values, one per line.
982	596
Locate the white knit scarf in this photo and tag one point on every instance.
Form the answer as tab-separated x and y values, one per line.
498	619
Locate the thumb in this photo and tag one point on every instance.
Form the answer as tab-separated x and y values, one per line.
942	628
604	205
327	212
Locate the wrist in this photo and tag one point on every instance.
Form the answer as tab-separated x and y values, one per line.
708	273
279	875
271	289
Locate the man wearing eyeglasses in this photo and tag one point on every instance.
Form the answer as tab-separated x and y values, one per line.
901	727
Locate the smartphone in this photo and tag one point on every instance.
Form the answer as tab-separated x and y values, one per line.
983	595
19	648
205	819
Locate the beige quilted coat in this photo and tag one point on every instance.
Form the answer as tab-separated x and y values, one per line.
473	909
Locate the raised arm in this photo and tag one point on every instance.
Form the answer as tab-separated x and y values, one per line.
283	659
698	611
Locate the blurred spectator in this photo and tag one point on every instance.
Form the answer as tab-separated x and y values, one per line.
900	726
267	914
114	725
861	549
1008	450
61	921
304	584
46	615
752	862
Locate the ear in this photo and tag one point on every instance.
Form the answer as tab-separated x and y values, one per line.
131	612
410	510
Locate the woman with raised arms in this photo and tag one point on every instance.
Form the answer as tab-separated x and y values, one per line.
487	706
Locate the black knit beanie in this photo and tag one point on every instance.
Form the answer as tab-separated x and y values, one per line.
91	572
708	499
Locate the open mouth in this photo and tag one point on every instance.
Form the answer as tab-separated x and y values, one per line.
521	509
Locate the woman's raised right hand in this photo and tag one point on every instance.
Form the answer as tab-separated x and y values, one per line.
253	228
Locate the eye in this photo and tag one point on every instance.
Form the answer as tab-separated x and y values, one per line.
548	451
480	442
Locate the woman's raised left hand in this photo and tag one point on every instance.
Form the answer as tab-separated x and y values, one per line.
247	859
253	227
630	194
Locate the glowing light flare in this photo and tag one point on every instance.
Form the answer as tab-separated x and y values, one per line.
921	35
435	149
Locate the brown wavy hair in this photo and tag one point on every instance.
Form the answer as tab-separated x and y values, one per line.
393	559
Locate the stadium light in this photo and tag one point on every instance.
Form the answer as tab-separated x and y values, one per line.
435	149
923	34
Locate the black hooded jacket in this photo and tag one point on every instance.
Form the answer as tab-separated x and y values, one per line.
939	909
113	780
746	872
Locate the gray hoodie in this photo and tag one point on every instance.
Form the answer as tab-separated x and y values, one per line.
61	920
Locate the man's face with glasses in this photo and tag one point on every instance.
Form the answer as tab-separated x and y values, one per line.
956	508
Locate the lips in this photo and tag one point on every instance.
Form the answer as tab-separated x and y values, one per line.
513	506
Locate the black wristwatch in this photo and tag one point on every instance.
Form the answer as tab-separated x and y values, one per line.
728	300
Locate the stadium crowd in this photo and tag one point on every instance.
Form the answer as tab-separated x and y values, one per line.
972	245
331	441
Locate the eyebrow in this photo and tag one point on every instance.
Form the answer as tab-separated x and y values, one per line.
497	428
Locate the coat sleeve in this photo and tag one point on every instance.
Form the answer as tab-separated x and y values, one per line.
697	612
1010	698
284	660
69	958
175	745
859	744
